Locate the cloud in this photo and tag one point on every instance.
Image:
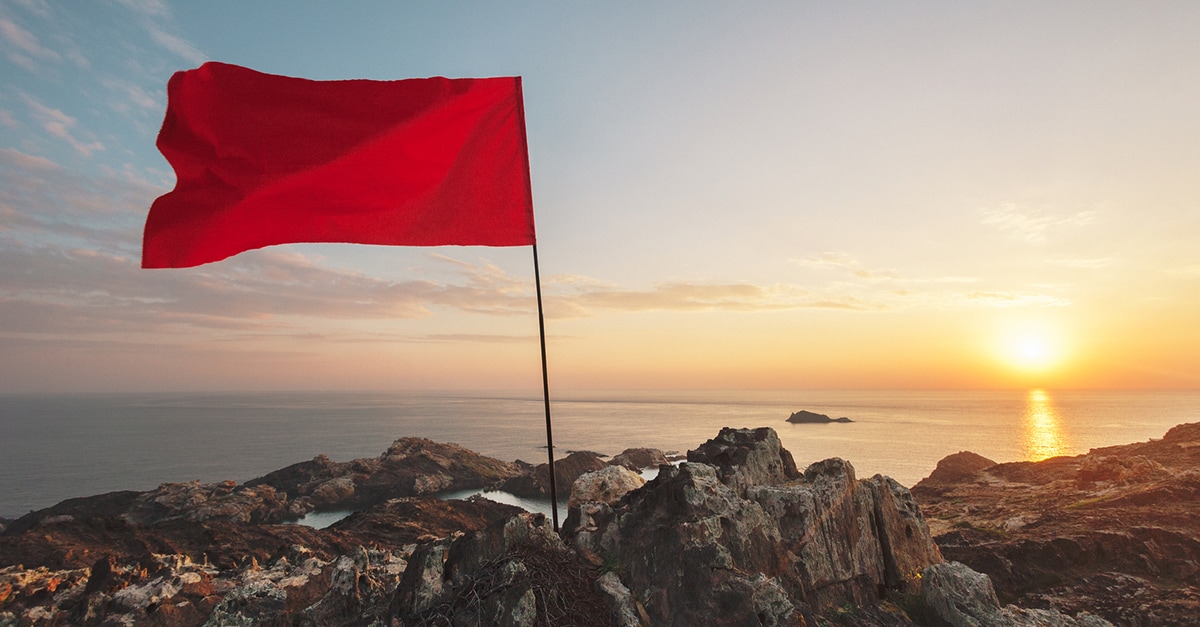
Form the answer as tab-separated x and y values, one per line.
1011	299
1186	272
1086	263
151	8
41	203
1032	226
59	125
177	45
22	47
843	261
130	93
18	159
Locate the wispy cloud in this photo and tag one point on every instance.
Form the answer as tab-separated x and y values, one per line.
1084	262
16	158
843	261
22	47
150	8
155	17
60	125
1032	226
1185	272
177	45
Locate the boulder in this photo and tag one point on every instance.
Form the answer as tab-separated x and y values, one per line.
956	467
955	595
606	485
535	483
637	459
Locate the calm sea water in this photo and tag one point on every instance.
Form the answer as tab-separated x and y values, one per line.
58	447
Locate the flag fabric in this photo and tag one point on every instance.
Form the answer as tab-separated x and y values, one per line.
262	159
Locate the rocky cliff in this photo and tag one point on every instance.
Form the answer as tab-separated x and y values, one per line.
736	535
1115	531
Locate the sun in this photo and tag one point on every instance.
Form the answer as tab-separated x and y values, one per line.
1031	349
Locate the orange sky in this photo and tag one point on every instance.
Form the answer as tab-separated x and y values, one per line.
820	196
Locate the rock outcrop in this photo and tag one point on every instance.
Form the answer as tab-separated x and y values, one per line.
1115	532
956	595
738	536
637	459
535	483
410	467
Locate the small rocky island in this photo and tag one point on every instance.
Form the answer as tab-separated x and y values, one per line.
736	535
807	417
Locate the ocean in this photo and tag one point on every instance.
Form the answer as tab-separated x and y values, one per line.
54	447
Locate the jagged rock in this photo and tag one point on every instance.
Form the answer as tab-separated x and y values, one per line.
747	457
1115	469
621	603
515	573
958	596
747	538
399	522
606	485
359	592
637	459
410	467
536	483
208	501
1114	531
956	467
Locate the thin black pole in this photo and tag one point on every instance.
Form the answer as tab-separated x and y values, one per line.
537	279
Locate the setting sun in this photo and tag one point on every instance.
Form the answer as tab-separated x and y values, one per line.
1031	349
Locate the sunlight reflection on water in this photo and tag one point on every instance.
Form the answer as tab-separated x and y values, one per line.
1043	436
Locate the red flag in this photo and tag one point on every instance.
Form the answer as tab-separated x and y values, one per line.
263	159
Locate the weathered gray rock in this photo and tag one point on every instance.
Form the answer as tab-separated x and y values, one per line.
749	539
958	596
606	485
621	603
515	573
197	502
746	457
535	483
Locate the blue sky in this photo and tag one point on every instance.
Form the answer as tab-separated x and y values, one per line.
727	196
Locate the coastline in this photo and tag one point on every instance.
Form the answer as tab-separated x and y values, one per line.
224	533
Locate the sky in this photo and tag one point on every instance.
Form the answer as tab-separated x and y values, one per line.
769	195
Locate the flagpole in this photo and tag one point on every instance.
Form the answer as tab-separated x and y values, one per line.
537	279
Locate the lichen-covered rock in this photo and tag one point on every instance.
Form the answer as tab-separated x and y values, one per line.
199	502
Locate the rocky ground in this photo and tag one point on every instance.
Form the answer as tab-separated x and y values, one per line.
1115	531
736	535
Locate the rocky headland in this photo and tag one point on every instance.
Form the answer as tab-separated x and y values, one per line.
737	534
1115	531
